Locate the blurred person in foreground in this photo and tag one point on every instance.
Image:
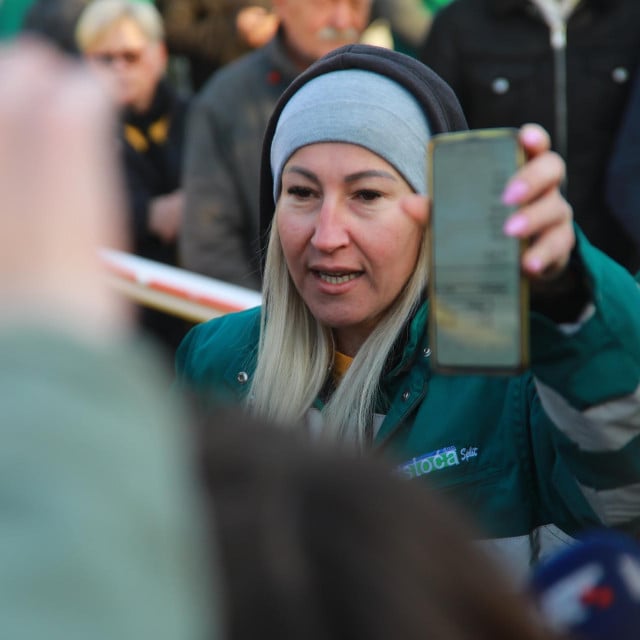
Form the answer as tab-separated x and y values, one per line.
565	64
224	135
123	41
340	348
101	536
317	545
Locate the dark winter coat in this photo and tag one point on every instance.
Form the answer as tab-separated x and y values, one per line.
152	149
497	56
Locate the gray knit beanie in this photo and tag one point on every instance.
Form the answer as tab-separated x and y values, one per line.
358	107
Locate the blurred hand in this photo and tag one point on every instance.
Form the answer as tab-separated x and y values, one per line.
61	196
256	26
165	215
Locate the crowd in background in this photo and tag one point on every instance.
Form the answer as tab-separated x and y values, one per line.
144	515
569	66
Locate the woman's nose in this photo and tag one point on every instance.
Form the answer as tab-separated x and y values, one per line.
330	230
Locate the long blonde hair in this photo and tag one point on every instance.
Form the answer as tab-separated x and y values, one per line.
295	353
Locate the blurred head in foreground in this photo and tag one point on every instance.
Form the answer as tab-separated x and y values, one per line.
321	545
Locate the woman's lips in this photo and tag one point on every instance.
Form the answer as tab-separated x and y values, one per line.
337	278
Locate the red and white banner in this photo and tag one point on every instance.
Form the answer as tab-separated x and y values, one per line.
181	293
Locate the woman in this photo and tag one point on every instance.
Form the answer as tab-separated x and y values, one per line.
123	42
341	340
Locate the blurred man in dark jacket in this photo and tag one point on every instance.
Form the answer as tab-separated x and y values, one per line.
566	64
224	135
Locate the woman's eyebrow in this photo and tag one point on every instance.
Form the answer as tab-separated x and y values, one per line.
303	172
353	177
370	173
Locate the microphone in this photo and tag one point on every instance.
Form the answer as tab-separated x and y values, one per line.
591	591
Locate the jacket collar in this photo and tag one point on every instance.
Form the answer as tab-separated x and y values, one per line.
413	341
280	59
162	104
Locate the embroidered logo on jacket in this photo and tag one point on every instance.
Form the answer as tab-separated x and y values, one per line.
438	460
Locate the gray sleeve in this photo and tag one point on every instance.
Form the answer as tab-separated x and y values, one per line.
215	238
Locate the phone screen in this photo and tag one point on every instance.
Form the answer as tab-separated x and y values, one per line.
478	295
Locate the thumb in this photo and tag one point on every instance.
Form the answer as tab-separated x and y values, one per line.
417	207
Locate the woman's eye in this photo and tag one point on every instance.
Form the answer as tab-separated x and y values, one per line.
368	195
300	192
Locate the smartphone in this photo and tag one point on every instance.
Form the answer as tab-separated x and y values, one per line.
478	296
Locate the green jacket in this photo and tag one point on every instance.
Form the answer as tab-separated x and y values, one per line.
537	457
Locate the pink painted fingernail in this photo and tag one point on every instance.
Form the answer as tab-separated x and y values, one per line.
515	225
531	137
534	265
514	192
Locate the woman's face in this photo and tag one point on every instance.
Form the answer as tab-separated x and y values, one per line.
131	64
349	246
